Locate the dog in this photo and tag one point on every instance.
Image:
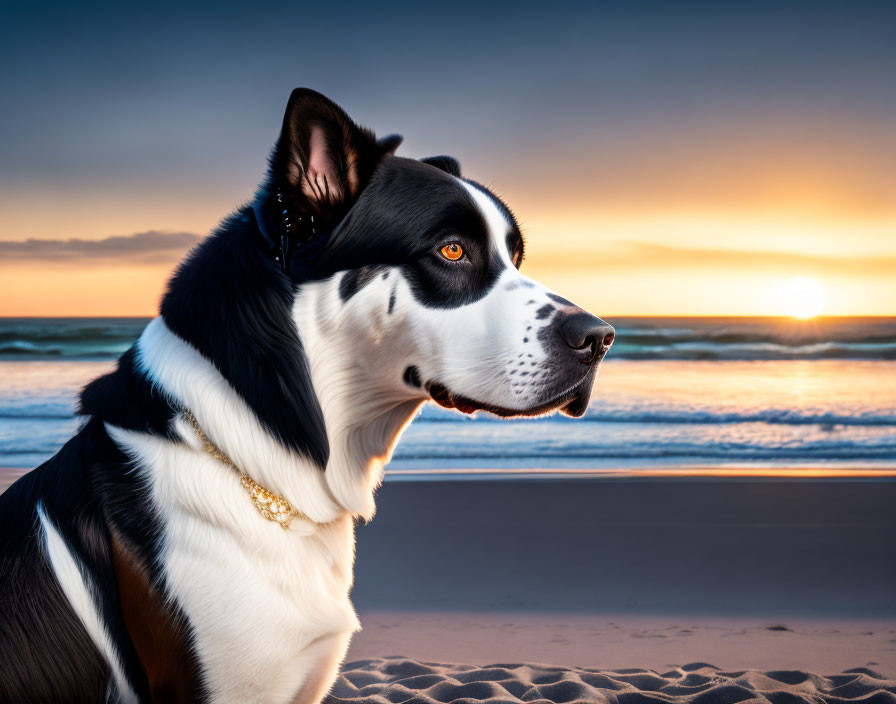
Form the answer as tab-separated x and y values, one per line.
194	542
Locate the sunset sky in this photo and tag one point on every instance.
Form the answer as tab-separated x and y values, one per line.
664	158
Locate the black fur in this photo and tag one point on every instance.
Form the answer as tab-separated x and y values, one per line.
544	312
560	299
126	398
294	212
403	217
46	655
356	279
87	488
412	377
448	164
234	306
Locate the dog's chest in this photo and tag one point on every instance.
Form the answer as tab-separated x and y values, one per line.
267	611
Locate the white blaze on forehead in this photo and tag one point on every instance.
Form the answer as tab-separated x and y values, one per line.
497	222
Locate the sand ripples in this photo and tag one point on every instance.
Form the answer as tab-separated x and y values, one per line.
403	681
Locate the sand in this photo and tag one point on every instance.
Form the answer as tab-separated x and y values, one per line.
618	641
767	574
392	680
8	476
769	579
767	548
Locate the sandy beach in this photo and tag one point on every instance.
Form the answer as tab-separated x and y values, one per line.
709	589
771	548
796	574
401	680
625	640
663	590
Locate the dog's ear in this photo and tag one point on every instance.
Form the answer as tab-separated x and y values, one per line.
445	163
323	160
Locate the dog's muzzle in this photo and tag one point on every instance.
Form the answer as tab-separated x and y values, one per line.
576	342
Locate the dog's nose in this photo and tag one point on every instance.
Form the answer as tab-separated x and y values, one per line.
587	336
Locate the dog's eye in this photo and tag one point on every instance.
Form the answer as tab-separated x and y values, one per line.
452	252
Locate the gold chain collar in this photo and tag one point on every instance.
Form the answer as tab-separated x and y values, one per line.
270	505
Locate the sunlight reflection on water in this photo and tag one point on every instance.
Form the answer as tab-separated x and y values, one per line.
644	413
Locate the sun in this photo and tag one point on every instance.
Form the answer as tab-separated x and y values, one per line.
802	297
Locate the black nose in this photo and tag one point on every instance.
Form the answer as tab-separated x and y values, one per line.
587	336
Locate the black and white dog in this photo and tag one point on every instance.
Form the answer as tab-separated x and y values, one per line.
194	541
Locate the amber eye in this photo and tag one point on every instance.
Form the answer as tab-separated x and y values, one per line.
452	252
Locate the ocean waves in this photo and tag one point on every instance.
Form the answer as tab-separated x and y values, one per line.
67	338
692	339
643	414
773	416
755	339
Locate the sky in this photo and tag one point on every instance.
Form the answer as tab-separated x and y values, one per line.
664	158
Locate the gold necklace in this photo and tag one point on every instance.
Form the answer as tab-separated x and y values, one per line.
270	505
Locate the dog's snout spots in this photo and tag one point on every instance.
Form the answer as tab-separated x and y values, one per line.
412	377
544	311
560	299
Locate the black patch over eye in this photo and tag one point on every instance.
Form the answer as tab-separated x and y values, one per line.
402	219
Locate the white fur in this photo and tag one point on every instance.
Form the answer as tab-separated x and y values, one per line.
258	598
80	592
192	382
269	608
357	380
498	225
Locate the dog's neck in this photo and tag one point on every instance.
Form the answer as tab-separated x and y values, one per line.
361	428
364	411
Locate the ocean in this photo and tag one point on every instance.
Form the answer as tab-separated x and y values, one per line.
674	394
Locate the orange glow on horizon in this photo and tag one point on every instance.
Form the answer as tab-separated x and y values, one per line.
652	262
112	291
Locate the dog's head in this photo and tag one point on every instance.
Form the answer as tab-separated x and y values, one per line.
358	285
417	290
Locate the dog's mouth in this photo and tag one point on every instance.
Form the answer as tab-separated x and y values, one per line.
572	403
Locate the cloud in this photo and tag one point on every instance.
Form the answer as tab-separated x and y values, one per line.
143	247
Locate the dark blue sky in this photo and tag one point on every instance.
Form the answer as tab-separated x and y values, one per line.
130	95
122	117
